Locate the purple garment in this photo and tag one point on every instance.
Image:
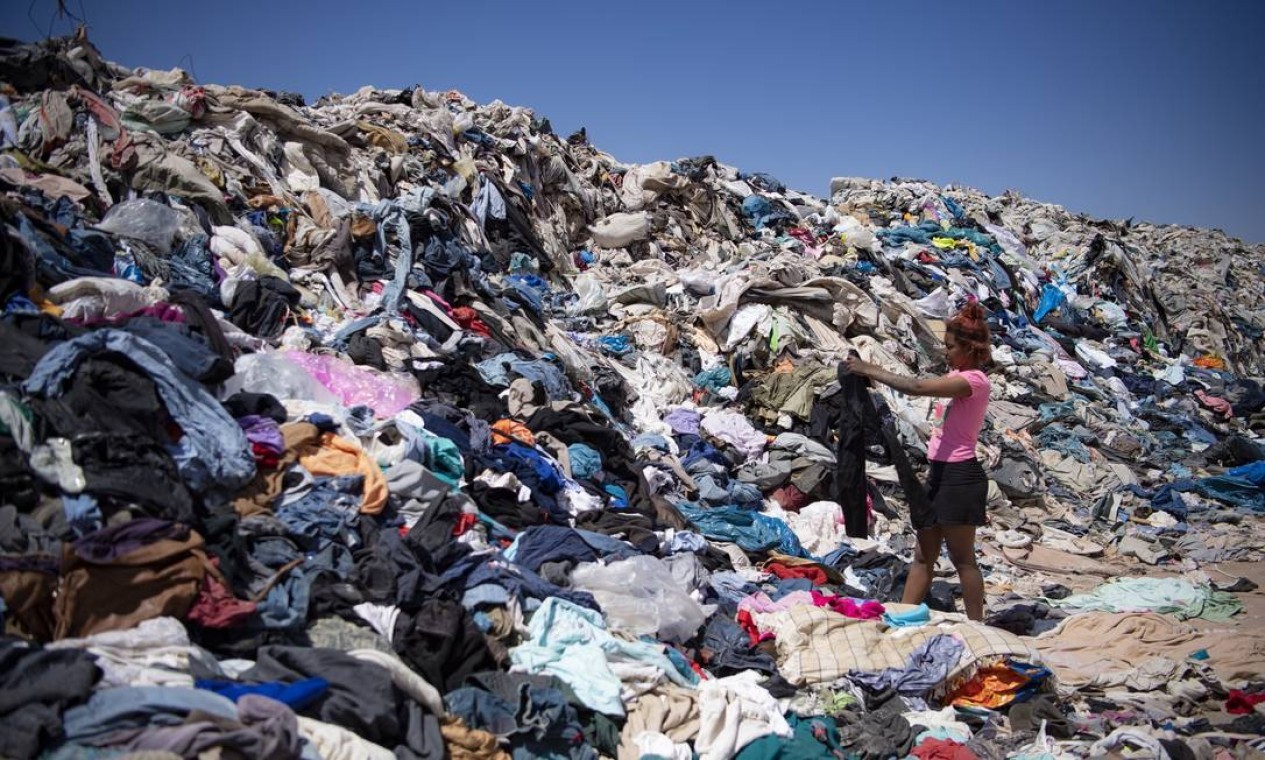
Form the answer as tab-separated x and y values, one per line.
928	667
683	421
264	431
108	544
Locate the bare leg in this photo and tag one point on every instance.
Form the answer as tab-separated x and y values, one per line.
961	541
920	572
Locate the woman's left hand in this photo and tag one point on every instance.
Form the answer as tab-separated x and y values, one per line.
855	366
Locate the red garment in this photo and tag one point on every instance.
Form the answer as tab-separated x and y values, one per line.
811	572
264	456
215	605
747	623
943	749
790	498
464	523
1241	703
469	319
799	233
1215	404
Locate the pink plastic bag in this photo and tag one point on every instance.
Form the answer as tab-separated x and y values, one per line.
386	394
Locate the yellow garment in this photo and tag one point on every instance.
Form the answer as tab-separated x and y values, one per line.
381	137
992	687
210	171
338	456
40	299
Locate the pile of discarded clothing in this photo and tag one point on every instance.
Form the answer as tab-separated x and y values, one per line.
395	425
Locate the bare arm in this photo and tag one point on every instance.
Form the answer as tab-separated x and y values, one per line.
945	386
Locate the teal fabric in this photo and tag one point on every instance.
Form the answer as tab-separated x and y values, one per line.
812	738
920	615
443	458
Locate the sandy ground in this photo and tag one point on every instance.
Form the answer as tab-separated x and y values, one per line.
1253	617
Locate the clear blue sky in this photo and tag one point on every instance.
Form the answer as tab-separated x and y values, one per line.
1116	108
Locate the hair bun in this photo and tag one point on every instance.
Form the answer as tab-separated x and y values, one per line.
971	312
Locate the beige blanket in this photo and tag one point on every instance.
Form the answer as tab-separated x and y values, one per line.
1106	649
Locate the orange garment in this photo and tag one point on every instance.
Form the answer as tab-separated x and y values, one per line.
1210	361
465	743
331	455
992	687
507	431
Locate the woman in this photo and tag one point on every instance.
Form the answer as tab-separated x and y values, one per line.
957	486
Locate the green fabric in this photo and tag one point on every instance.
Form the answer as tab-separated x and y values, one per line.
813	738
16	420
602	734
1169	596
792	393
1221	606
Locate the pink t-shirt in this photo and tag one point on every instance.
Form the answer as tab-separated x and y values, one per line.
957	422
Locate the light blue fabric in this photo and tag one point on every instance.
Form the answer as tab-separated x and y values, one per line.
608	547
686	541
572	643
731	586
944	733
1052	298
140	706
488	202
390	217
585	461
485	593
223	455
498	370
83	513
651	441
920	615
340	337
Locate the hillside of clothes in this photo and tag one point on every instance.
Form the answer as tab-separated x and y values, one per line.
398	426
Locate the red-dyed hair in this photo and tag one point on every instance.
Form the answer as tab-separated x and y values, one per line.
970	328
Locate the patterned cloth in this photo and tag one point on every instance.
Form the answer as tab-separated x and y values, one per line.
816	645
